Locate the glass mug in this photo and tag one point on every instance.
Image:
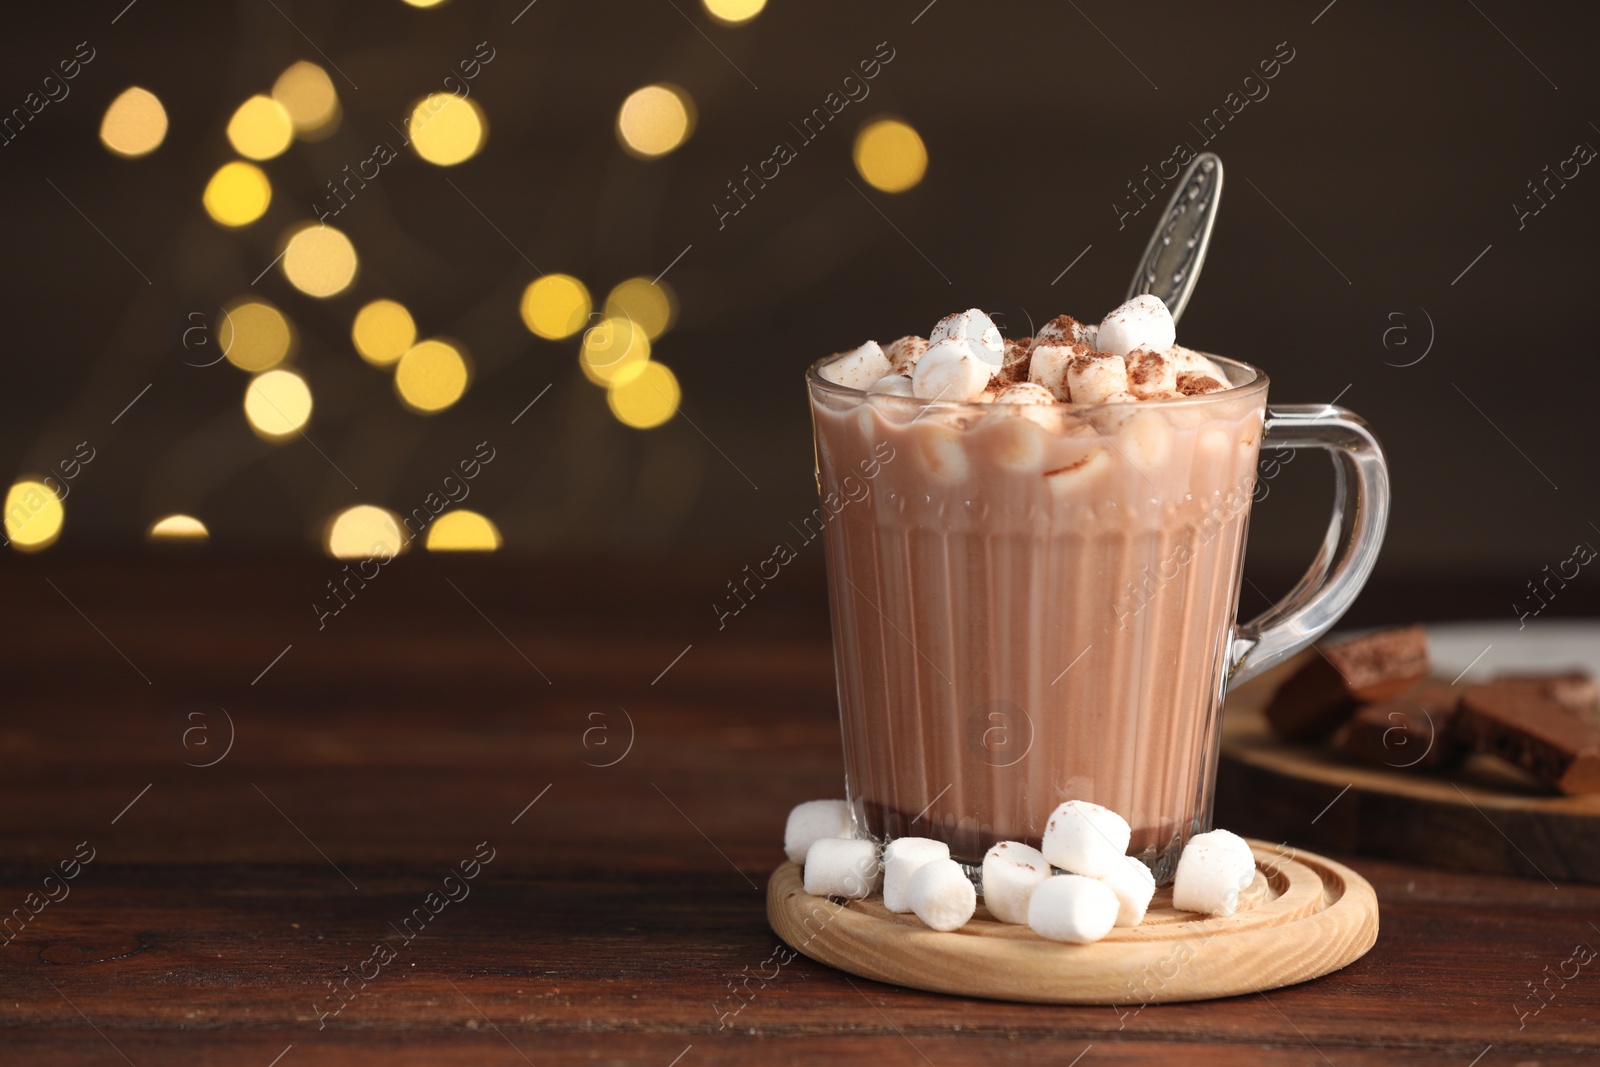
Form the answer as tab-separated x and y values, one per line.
1041	606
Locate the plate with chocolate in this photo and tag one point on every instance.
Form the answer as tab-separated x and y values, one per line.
1473	745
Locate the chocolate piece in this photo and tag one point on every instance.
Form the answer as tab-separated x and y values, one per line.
1574	690
1318	698
1515	722
1411	732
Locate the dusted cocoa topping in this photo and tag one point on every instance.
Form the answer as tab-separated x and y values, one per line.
1318	698
1019	354
1192	384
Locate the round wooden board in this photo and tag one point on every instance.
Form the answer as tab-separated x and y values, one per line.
1303	917
1483	816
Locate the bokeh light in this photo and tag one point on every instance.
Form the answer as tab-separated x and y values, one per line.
645	396
135	123
34	515
382	332
611	348
462	531
307	94
654	120
446	129
178	529
555	306
237	194
431	376
277	403
424	3
320	261
651	305
255	336
734	12
890	155
364	532
260	128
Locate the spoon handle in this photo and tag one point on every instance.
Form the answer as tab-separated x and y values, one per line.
1171	262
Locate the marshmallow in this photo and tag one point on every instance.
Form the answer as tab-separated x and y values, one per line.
941	450
1211	872
1191	383
900	861
1069	907
1023	393
1190	361
950	370
857	368
892	384
941	895
1143	322
904	353
1150	374
1134	885
1011	872
1145	440
841	867
1047	366
1061	330
1064	481
1094	377
1085	838
977	329
813	820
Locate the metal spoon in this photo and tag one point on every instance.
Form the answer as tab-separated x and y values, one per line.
1171	262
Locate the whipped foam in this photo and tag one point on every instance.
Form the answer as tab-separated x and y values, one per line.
1131	355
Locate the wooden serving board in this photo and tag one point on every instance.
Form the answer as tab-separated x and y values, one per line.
1303	917
1484	816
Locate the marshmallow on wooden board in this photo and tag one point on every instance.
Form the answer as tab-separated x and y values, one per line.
812	820
1085	838
950	370
1211	872
1134	885
901	859
1096	377
977	329
1011	872
892	384
841	867
904	353
1143	322
941	895
857	368
1070	907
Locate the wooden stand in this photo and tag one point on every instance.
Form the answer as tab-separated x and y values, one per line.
1303	917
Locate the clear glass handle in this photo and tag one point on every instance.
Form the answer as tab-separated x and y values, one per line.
1349	550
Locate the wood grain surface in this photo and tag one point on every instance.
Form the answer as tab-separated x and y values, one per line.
621	918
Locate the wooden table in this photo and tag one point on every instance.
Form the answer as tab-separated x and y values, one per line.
455	702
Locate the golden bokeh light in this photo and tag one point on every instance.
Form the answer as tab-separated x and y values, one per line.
135	123
260	128
890	155
651	305
319	261
178	529
555	306
237	194
277	403
612	348
447	129
34	515
423	3
734	12
382	332
255	336
462	531
644	397
307	94
654	120
364	532
431	376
